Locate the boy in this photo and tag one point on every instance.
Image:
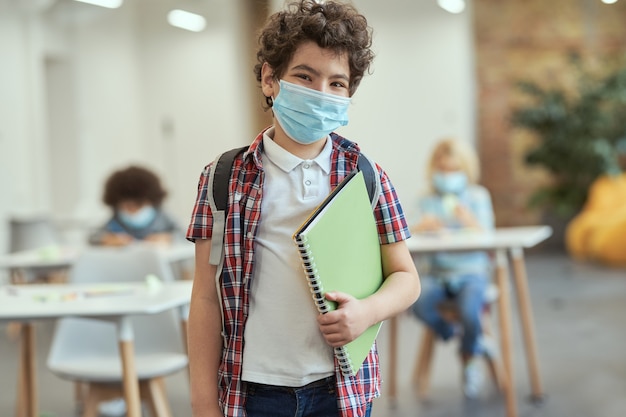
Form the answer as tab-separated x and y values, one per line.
274	354
135	196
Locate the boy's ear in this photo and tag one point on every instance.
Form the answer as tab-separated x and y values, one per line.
267	80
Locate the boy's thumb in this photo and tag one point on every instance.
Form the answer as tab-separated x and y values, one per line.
338	297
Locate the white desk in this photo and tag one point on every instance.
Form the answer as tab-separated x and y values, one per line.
505	243
64	256
500	238
31	303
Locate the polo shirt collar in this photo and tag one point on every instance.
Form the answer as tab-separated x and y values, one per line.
286	161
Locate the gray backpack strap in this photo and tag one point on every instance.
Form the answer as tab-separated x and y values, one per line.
371	177
219	179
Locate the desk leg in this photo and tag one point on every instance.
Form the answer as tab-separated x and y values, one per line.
129	372
27	378
393	359
528	329
504	313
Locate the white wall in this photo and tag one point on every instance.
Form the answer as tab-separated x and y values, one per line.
85	90
421	88
23	163
194	98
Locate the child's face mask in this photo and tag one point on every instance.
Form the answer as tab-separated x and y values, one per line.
450	182
138	219
308	115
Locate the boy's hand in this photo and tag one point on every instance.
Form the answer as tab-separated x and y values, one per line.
159	238
211	411
346	323
116	239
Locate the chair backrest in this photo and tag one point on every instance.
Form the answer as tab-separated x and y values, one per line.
120	264
90	341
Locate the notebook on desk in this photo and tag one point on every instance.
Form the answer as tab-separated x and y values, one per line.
340	251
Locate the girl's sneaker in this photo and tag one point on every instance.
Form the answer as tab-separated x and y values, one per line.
472	378
113	408
488	346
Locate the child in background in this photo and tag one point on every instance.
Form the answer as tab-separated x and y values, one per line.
456	202
135	194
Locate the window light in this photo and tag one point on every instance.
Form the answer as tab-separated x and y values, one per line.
109	4
452	6
186	20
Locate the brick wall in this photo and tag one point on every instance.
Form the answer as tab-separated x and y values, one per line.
519	40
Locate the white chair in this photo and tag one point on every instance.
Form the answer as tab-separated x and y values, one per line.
86	350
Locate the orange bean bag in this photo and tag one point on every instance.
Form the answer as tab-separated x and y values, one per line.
598	232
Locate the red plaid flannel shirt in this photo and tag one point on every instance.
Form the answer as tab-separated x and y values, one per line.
242	219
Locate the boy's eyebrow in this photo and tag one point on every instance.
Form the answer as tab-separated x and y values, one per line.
315	72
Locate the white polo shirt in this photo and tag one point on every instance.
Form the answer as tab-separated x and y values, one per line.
282	341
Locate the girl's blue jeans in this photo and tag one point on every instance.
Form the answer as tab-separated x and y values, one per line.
469	296
317	399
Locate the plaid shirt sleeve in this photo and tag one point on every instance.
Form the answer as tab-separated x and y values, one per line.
201	224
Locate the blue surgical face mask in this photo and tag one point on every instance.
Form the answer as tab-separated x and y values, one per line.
139	219
308	115
449	182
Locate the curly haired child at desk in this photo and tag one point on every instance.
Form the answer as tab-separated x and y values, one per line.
456	202
135	195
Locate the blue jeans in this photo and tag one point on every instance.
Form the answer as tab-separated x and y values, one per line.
317	399
469	298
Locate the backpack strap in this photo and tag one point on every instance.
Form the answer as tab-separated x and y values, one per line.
371	177
219	179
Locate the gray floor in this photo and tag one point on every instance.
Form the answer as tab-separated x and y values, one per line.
578	309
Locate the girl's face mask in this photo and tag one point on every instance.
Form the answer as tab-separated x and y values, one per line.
449	182
308	115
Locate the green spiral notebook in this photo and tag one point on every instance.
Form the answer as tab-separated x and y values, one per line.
340	251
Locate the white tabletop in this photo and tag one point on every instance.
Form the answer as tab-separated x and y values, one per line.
46	257
51	301
64	256
500	238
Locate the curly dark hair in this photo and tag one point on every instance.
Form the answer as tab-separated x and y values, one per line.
330	24
135	184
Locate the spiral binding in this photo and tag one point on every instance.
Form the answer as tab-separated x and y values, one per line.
317	292
344	360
